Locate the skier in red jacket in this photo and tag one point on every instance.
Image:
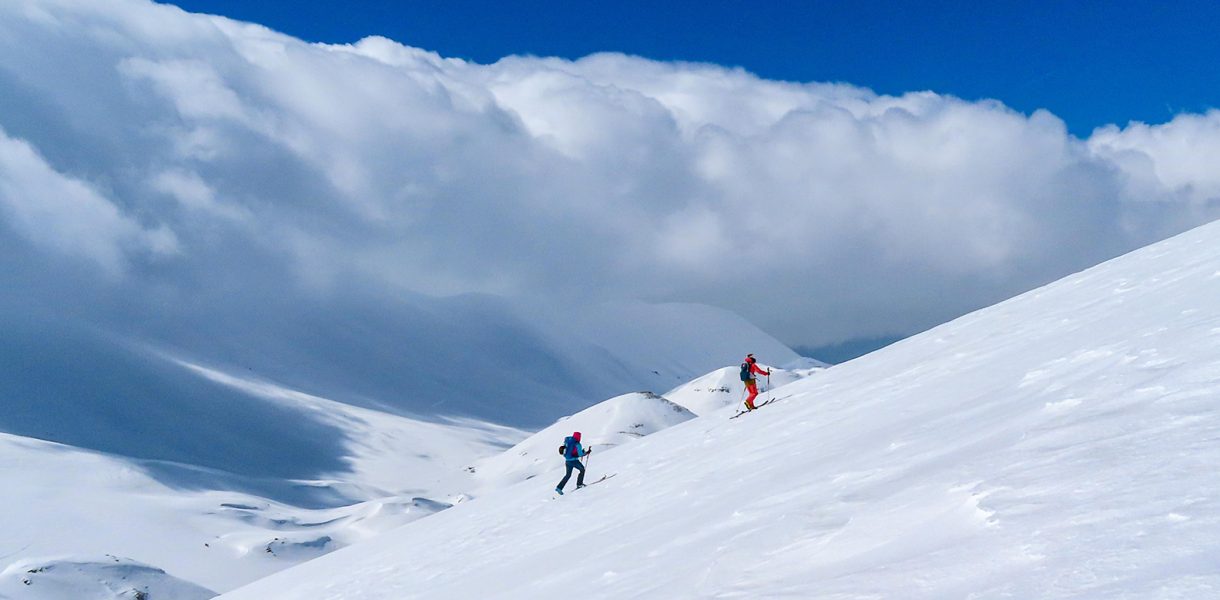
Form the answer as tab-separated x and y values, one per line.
748	370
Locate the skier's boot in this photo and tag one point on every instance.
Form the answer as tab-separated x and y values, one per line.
578	486
559	491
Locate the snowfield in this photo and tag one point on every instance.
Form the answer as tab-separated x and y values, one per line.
1058	445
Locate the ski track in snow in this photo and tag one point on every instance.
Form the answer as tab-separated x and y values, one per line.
1059	445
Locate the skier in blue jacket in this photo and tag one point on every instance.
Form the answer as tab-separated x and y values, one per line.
571	454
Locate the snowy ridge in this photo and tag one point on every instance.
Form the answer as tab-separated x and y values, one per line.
603	426
723	387
1058	445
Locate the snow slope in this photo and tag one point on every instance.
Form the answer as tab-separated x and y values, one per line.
1058	445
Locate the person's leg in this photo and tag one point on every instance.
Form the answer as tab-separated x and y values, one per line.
753	389
580	479
568	475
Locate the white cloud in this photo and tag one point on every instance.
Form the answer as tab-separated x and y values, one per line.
67	215
194	87
194	194
820	211
1178	157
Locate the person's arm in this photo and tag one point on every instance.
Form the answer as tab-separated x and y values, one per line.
758	370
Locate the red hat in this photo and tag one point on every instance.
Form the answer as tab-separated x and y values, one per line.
749	358
576	435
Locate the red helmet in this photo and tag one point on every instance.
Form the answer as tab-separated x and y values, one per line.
750	358
576	435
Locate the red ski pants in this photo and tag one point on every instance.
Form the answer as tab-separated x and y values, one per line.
752	387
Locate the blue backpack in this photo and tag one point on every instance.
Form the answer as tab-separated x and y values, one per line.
568	449
745	371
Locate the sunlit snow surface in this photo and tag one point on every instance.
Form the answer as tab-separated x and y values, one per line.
1059	445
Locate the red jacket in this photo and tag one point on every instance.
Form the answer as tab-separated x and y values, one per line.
755	370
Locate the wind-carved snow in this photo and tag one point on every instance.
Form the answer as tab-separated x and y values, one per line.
1002	455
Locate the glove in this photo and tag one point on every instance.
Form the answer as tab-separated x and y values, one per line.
768	372
589	450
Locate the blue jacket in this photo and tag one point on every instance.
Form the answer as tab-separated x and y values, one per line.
572	450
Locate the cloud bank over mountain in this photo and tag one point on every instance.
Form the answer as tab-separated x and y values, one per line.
151	158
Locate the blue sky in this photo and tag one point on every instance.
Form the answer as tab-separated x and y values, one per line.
1091	63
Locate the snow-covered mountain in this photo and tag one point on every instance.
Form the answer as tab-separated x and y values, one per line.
229	475
1058	445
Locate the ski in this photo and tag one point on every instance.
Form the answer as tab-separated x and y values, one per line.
603	478
742	412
